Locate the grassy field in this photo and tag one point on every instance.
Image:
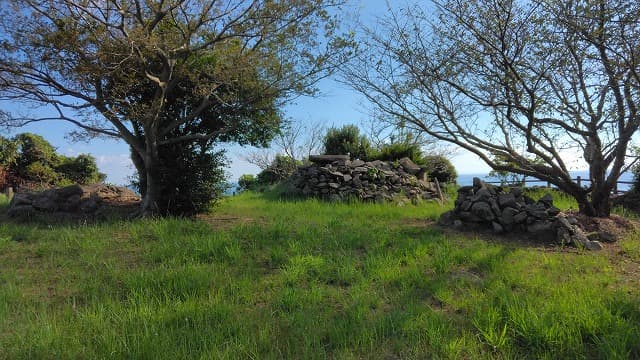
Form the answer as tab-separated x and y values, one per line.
260	278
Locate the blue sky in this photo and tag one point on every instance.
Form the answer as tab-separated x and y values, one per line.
338	105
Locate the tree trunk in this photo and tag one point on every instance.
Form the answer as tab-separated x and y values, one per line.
596	205
153	187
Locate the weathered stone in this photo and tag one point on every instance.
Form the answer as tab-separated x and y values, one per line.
477	183
327	159
540	227
483	211
553	211
507	217
547	199
497	228
520	218
516	191
361	169
563	236
507	199
593	245
21	199
482	194
356	163
409	166
334	185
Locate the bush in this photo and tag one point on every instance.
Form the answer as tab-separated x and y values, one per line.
347	140
30	158
192	180
247	182
439	167
280	169
81	169
397	151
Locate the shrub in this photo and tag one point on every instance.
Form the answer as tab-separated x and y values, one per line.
81	169
192	179
397	151
439	167
30	158
347	140
280	169
247	182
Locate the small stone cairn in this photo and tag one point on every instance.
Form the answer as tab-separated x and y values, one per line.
509	210
74	200
337	177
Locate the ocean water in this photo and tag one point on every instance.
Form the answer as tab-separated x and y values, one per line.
467	179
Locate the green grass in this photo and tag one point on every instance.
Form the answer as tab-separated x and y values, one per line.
262	278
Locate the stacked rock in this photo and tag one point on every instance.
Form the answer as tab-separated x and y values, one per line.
72	200
508	209
336	177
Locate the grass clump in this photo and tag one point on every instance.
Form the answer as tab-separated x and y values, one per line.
267	278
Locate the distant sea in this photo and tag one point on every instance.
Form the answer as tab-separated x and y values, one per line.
467	179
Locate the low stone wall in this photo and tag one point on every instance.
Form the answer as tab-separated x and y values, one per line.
509	210
74	200
338	178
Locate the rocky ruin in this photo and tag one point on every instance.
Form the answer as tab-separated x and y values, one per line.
74	201
336	178
509	210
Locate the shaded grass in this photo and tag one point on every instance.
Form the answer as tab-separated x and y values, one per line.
305	279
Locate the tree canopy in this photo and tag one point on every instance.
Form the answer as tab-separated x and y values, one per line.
159	74
520	84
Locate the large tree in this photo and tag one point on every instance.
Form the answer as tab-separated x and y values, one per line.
521	84
156	73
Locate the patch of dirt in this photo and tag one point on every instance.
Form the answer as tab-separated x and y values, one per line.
615	225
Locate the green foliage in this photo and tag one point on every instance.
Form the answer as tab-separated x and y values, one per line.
247	182
192	179
347	140
81	169
439	167
29	157
307	279
397	151
280	169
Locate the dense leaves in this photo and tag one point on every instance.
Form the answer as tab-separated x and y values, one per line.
30	159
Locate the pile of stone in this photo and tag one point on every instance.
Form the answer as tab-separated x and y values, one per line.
72	200
336	178
508	209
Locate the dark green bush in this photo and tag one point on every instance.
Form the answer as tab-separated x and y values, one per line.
280	169
347	140
439	167
30	158
397	151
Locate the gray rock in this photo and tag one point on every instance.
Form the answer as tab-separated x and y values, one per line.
540	227
593	245
409	166
497	228
483	211
520	218
508	216
334	185
507	199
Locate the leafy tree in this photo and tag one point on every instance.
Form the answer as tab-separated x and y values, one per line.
280	169
247	182
347	140
162	73
29	157
439	167
514	80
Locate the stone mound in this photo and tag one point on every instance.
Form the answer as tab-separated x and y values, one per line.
335	177
74	200
509	210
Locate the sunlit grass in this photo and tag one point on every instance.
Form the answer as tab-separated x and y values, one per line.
261	277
